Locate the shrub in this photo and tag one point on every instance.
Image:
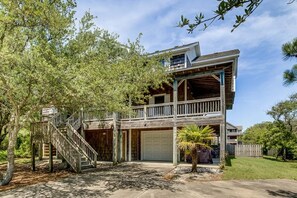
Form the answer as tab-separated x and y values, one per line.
3	155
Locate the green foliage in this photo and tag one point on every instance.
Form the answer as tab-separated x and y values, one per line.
256	134
46	61
283	134
3	155
191	136
23	148
289	50
280	134
223	8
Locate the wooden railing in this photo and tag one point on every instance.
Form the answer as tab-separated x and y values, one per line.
80	142
40	132
65	147
201	107
96	115
74	120
58	119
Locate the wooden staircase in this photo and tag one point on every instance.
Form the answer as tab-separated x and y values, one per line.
62	134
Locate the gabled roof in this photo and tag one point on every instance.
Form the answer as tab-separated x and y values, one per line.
178	49
218	58
217	55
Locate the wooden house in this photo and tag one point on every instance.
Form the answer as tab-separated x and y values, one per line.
203	89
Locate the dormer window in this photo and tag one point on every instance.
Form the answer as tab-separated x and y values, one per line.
177	60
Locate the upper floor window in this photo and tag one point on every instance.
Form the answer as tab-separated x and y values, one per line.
177	59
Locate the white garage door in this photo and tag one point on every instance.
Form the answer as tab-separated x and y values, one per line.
156	145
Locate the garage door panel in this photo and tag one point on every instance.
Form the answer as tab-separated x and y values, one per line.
157	145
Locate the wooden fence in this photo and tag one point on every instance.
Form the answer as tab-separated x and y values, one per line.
249	150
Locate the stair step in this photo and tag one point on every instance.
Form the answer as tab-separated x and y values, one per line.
86	166
85	163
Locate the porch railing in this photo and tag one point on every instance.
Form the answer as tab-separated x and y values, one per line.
200	107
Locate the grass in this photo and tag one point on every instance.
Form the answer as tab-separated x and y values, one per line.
246	168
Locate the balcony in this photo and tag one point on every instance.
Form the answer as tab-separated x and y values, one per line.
191	108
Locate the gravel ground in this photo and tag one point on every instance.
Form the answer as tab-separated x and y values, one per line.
139	180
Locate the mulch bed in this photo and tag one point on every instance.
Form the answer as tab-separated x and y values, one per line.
24	176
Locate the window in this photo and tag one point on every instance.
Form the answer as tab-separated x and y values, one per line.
159	99
177	59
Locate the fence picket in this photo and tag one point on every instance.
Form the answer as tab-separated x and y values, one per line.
248	150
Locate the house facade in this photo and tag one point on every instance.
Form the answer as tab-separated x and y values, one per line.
233	134
203	88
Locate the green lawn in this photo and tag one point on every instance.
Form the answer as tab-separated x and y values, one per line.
260	168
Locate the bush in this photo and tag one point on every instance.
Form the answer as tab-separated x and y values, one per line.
3	155
23	144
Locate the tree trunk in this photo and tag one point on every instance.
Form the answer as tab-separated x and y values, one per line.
284	154
10	151
194	160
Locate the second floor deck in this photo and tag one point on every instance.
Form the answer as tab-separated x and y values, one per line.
158	114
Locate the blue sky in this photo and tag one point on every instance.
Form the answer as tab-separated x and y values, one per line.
261	65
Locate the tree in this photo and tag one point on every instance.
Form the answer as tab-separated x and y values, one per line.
4	119
29	32
283	134
46	61
246	8
257	134
289	50
192	136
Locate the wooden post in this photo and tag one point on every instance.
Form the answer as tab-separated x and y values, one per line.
120	144
115	139
40	151
129	150
33	156
130	104
175	87
51	168
144	112
186	96
223	123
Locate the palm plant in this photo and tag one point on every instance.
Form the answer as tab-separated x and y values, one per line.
290	51
192	136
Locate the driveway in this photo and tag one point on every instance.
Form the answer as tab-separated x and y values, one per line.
135	180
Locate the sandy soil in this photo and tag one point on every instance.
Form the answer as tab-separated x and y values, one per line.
23	176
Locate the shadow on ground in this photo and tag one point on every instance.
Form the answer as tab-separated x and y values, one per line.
99	183
282	193
229	160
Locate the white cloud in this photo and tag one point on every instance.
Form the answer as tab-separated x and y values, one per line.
259	40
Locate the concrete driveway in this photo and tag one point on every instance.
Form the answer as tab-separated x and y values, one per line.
134	180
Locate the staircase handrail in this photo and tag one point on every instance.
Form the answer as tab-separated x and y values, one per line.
65	147
74	120
82	144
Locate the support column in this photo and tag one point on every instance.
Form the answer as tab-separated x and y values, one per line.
186	95
175	87
186	112
130	146
115	139
50	147
33	156
40	152
223	123
120	145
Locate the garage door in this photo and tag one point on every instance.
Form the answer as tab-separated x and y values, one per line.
156	145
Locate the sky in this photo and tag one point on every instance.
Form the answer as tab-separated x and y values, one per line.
259	83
